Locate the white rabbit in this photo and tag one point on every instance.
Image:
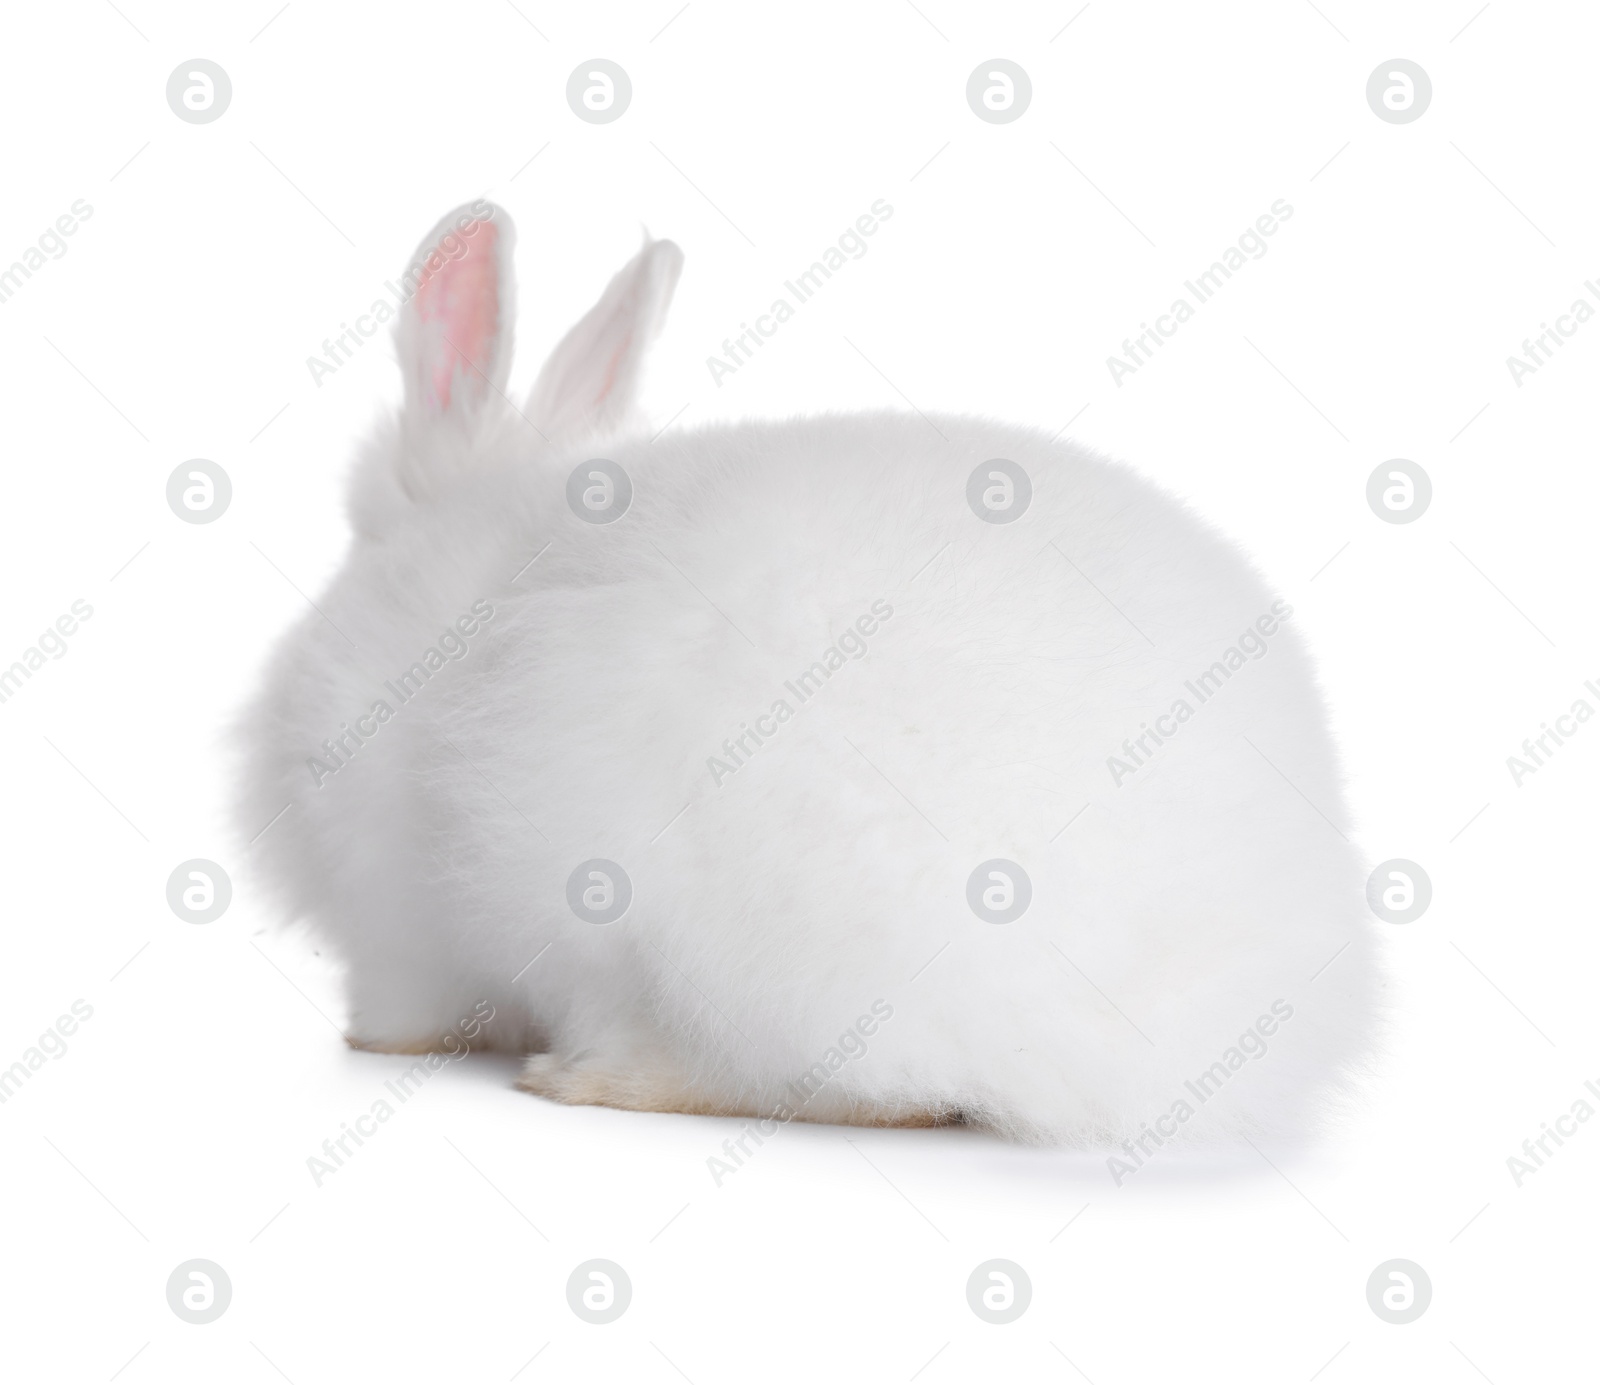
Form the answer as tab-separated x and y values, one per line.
818	706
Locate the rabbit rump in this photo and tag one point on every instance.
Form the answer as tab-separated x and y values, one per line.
873	769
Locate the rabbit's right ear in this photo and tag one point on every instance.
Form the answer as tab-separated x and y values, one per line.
591	381
454	334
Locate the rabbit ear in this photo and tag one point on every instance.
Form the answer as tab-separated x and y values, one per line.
455	329
590	382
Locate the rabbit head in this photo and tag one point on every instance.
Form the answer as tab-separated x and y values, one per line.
454	340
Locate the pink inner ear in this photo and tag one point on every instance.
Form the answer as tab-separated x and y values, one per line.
458	305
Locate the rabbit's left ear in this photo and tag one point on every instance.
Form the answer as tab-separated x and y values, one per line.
590	384
455	329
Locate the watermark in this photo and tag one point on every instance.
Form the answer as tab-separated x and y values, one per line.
1399	491
851	645
999	491
199	91
1140	349
999	891
599	491
199	891
1138	751
198	491
199	1291
455	1044
1399	91
1537	750
339	749
1251	1045
1399	891
341	348
599	1291
52	642
50	1044
739	350
53	242
1399	1291
849	1047
599	91
599	891
999	91
1537	1148
999	1291
1539	350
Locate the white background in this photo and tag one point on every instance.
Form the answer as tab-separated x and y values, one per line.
1019	257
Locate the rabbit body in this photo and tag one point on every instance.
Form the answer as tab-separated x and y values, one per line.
786	707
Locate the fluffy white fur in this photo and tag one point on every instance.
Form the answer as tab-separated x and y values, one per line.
830	871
